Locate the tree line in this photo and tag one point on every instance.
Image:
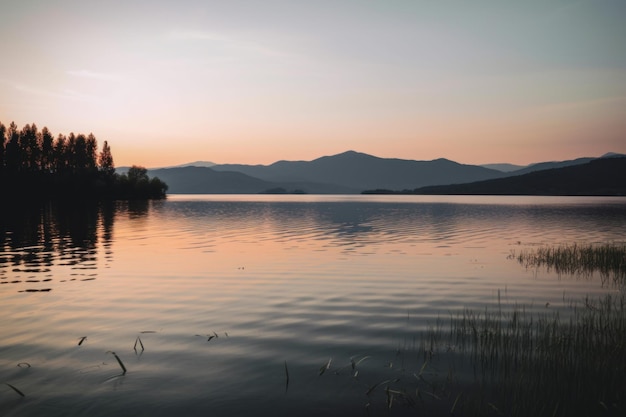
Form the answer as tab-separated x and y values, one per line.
36	164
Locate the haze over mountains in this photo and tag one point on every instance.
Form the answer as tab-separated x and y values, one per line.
346	173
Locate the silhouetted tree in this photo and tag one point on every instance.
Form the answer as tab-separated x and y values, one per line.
105	161
158	188
137	183
12	151
29	149
60	155
3	141
33	162
23	151
80	155
70	153
47	151
91	154
137	174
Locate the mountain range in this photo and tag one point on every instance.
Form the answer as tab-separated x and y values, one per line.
603	176
345	173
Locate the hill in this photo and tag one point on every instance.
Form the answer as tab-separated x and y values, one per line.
602	176
204	180
359	171
542	166
345	173
503	167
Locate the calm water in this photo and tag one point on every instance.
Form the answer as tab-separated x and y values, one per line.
223	291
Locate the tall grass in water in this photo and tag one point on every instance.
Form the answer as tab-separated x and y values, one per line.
523	365
608	259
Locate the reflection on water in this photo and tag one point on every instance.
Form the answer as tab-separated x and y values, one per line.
53	242
39	241
223	291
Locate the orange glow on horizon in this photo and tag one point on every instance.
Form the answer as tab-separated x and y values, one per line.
472	83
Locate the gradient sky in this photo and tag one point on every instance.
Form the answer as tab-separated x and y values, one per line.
169	82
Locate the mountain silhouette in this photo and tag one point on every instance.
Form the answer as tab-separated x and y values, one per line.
504	167
541	166
345	173
601	176
200	180
359	171
204	180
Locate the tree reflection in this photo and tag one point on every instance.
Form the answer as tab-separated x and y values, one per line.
39	242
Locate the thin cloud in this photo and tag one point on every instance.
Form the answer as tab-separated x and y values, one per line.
94	75
229	42
65	94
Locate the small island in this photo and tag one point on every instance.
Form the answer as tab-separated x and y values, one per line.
35	165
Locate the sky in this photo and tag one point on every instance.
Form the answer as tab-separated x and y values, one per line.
253	82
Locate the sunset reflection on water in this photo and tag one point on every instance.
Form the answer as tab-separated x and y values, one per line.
261	280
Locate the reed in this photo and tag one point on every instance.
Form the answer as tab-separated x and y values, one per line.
138	340
543	365
511	362
16	390
609	259
326	366
119	361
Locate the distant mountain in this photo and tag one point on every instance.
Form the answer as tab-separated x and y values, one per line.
206	164
601	176
203	180
503	167
199	180
551	165
540	166
346	173
359	171
613	155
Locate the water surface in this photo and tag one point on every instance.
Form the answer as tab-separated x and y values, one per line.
223	291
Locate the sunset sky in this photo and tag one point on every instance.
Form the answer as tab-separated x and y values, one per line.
170	82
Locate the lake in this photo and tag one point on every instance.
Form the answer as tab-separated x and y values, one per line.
262	305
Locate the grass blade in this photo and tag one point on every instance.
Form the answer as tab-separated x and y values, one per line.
16	390
373	387
455	403
362	359
354	364
140	343
119	361
389	398
326	366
